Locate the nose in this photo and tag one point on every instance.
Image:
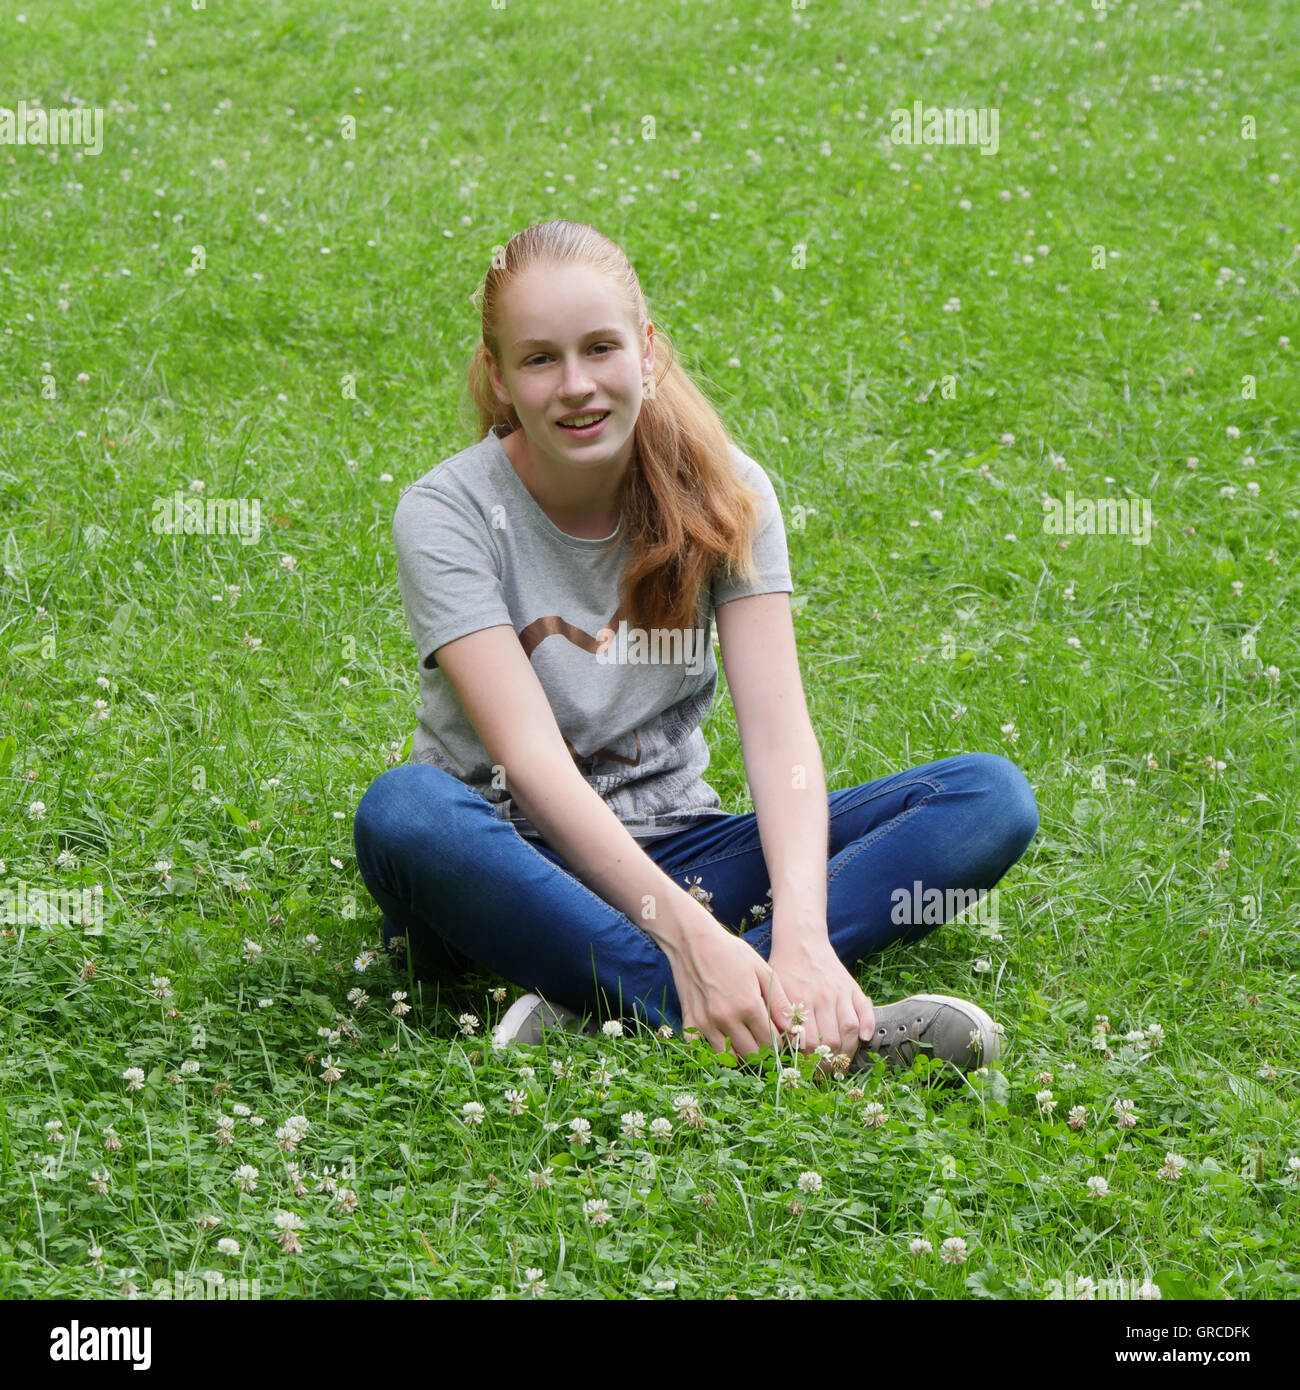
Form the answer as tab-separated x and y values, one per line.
576	382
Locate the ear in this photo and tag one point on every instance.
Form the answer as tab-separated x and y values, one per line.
496	380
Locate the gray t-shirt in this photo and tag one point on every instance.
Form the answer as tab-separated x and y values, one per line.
474	550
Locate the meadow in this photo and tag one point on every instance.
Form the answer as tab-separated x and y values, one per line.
259	290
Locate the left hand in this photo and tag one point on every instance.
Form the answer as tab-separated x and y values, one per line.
836	1011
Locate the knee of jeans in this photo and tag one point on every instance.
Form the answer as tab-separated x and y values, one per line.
1012	801
412	800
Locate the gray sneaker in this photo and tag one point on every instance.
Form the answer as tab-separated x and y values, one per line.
530	1013
947	1029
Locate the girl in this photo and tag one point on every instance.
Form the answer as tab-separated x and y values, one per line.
560	577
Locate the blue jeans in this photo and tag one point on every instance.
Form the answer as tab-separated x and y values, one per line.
463	887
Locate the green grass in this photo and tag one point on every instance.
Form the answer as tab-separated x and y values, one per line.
239	762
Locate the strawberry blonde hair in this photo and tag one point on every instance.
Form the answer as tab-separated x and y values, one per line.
685	509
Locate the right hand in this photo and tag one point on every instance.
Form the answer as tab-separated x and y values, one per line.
728	991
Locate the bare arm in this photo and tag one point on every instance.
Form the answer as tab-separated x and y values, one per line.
727	991
521	736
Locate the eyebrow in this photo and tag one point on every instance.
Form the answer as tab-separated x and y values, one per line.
543	342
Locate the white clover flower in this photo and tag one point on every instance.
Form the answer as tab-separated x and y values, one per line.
810	1182
688	1109
346	1199
134	1078
580	1131
36	811
948	1168
518	1100
1126	1114
111	1141
1077	1118
225	1129
1098	1186
661	1128
790	1077
1293	1169
1155	1034
54	1131
596	1210
918	1245
331	1071
358	998
1149	1292
161	986
227	1245
191	1067
245	1177
1173	1167
953	1251
289	1224
207	1221
634	1124
532	1284
612	1028
982	966
874	1114
473	1112
539	1180
468	1024
1085	1288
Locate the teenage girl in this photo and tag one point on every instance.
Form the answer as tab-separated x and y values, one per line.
561	576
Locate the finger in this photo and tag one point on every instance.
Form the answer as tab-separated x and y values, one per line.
828	1028
759	1027
866	1018
742	1041
778	1002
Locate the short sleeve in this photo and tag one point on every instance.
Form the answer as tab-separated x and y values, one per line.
447	570
771	556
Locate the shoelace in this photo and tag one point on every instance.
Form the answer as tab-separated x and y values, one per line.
905	1042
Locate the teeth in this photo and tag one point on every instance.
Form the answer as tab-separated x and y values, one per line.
581	420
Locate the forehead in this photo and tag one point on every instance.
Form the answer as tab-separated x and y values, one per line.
549	303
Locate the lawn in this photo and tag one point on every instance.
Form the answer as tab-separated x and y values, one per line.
260	289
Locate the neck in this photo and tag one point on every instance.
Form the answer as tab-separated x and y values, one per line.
585	498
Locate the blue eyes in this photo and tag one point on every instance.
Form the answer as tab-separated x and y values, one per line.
613	347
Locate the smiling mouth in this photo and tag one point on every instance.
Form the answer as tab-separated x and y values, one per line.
588	421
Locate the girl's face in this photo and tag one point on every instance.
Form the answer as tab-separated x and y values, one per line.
569	347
